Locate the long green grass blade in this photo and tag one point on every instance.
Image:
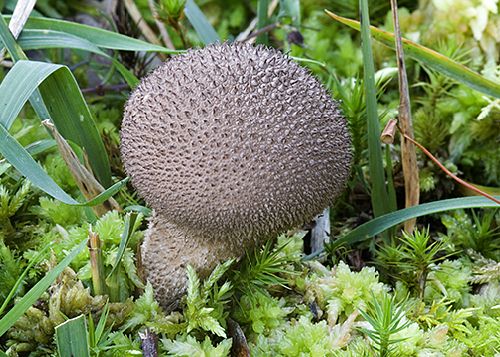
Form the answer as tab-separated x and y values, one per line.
33	149
24	163
18	157
380	224
379	196
431	58
71	338
59	98
290	9
40	146
43	39
34	39
17	54
18	86
99	37
129	229
10	42
36	291
72	117
200	23
101	325
103	196
262	20
65	106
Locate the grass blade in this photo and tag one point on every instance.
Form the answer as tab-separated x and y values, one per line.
24	163
43	39
20	15
104	196
84	178
380	224
129	229
290	9
18	86
379	196
18	157
10	42
40	146
65	104
34	39
70	114
71	338
36	291
200	23
99	37
262	6
59	98
431	58
101	325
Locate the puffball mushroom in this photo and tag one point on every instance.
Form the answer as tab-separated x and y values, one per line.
230	145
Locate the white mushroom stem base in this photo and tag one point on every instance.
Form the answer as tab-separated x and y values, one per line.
168	250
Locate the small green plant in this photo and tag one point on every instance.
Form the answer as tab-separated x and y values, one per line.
205	304
188	346
98	335
450	279
262	311
171	11
261	269
481	233
341	291
11	202
386	318
10	269
411	258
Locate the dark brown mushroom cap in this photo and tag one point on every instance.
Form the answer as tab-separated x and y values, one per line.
235	140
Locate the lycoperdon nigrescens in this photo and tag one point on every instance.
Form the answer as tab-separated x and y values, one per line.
230	145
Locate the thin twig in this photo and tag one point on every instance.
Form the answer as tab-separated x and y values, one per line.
110	6
146	31
84	178
408	154
388	137
161	26
265	29
101	90
448	172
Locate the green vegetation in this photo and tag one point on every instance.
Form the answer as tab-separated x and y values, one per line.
69	244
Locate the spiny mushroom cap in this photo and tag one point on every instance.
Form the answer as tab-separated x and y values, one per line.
235	138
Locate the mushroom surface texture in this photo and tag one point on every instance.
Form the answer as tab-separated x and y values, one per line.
230	145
